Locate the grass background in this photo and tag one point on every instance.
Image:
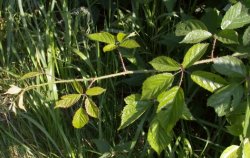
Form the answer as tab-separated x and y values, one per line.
50	37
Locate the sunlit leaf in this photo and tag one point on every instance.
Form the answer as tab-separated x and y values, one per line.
78	87
157	137
95	91
186	114
133	110
109	47
246	148
155	84
232	151
227	37
13	90
246	37
30	75
163	63
226	99
208	80
230	66
120	36
194	54
183	28
68	100
91	108
129	44
80	118
102	37
196	36
237	16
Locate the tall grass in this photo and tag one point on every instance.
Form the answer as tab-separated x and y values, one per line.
49	37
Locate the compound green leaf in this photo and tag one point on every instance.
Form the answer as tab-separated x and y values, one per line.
156	84
230	66
157	137
246	37
208	80
163	63
30	75
237	16
227	37
129	44
102	37
120	36
133	110
95	91
226	99
170	108
196	36
68	100
91	108
109	47
194	54
183	28
80	118
232	151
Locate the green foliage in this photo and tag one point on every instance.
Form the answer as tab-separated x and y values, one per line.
68	100
196	36
227	37
80	118
163	63
95	91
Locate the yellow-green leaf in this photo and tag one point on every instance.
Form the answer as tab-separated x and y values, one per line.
120	36
232	151
68	100
95	91
30	75
80	118
109	47
102	37
196	36
163	63
91	108
129	44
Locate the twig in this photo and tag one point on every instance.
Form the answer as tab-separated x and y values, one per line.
213	48
123	65
182	75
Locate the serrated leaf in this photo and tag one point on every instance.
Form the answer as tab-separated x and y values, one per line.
155	84
91	108
120	36
237	16
78	87
208	80
95	91
246	37
129	44
227	37
157	137
170	108
226	99
133	110
230	66
13	90
196	36
102	37
109	47
68	100
194	54
20	102
232	151
183	28
80	118
163	63
30	75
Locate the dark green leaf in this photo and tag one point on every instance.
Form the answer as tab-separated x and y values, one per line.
208	80
91	108
230	66
163	63
154	85
186	114
95	91
237	16
68	100
80	118
170	4
129	44
194	54
196	36
226	99
170	108
227	37
133	110
102	37
183	28
246	37
102	145
157	137
214	16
